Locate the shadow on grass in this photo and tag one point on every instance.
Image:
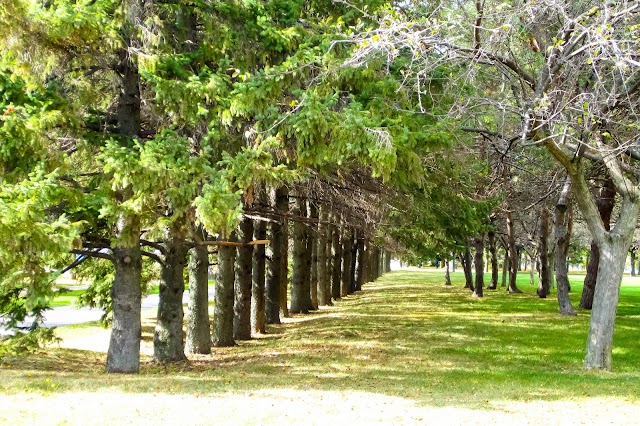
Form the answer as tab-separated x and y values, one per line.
406	335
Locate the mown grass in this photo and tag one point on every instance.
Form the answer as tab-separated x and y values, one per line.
406	336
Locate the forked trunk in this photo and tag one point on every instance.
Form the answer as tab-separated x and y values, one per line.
198	324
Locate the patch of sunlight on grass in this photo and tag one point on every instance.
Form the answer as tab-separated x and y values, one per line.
406	349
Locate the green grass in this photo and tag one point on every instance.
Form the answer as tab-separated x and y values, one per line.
407	341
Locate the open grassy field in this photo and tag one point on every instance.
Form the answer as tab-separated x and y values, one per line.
406	350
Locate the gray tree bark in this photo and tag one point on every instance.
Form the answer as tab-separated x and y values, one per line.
223	310
274	260
360	264
347	241
493	259
563	223
243	283
337	262
313	242
465	259
258	317
324	295
284	267
544	285
300	289
198	324
513	261
479	263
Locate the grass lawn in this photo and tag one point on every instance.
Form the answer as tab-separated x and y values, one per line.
406	350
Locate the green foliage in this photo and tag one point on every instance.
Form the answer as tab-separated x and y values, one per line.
23	343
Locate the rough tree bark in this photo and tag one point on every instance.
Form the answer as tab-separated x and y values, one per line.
479	263
360	264
223	310
447	274
465	259
562	225
337	262
513	263
168	337
123	355
544	285
274	260
329	265
633	253
505	268
258	318
324	296
198	324
313	242
491	236
242	288
284	267
605	201
347	241
300	294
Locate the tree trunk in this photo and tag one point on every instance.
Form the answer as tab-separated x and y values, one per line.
479	261
347	241
605	201
532	269
447	274
284	267
494	260
466	267
123	355
274	260
605	302
329	251
632	253
337	263
168	336
543	285
223	314
505	268
313	242
360	264
354	262
563	224
324	296
198	325
243	284
300	293
513	265
258	318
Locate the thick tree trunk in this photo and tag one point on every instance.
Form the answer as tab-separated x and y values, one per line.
198	325
494	260
243	284
223	310
479	261
603	314
324	295
605	201
168	336
563	223
123	355
513	265
313	242
300	293
347	239
258	318
466	267
543	285
274	260
387	262
336	277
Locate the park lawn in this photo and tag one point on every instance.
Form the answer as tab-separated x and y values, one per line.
406	350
